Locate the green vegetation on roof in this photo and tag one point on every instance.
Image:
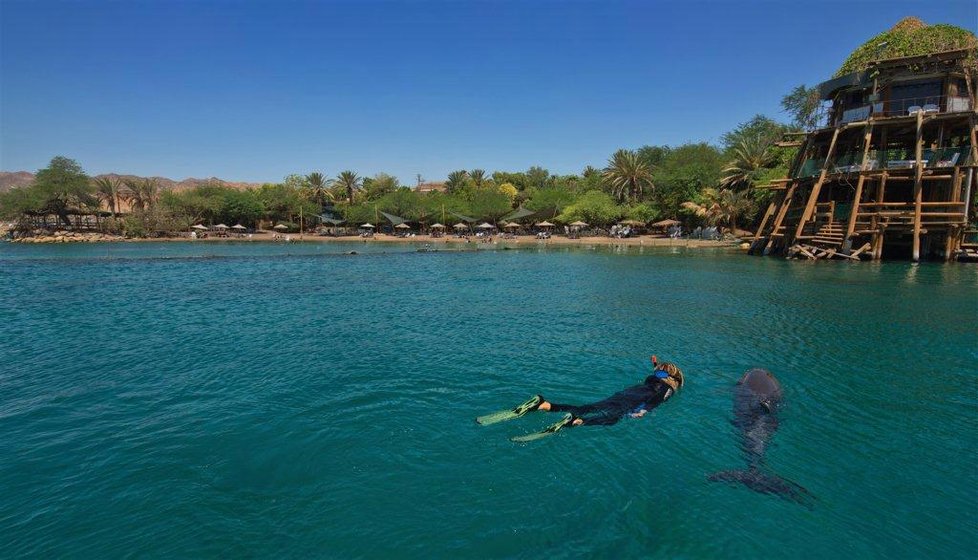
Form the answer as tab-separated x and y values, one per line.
909	37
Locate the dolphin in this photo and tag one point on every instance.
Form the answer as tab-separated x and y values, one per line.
757	399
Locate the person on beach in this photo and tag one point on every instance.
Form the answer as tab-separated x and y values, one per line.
664	382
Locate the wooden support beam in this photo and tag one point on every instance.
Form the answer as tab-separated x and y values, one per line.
813	197
782	212
956	186
767	214
857	252
874	221
855	206
917	190
867	140
974	140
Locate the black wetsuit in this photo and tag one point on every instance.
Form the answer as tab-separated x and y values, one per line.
646	396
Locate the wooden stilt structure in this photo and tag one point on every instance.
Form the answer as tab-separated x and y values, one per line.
907	168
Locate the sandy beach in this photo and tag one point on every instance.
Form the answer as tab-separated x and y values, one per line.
273	237
525	240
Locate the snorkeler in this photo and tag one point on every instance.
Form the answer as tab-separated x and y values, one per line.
636	401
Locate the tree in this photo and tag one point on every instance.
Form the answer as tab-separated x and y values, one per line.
549	202
537	177
241	207
61	185
281	202
751	158
456	181
517	179
764	128
509	190
107	190
720	207
380	185
628	176
405	203
294	181
348	182
489	204
593	207
653	156
318	187
802	104
643	212
142	193
684	172
478	178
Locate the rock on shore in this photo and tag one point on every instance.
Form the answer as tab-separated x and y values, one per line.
67	237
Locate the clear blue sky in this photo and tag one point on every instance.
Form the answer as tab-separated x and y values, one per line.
254	91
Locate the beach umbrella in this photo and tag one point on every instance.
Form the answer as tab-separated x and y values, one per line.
511	225
220	226
437	226
238	226
460	226
402	226
485	225
544	224
666	223
281	226
370	226
200	227
578	224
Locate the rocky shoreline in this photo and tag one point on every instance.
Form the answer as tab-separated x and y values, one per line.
67	237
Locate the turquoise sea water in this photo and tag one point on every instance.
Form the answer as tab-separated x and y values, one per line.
253	400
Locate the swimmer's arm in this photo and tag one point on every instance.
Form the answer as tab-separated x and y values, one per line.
638	414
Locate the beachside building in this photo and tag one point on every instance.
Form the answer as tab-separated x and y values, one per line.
430	187
889	171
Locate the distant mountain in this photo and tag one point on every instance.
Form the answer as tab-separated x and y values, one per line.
12	179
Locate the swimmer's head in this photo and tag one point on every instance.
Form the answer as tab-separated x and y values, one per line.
669	373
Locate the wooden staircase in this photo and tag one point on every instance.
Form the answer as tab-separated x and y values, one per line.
829	236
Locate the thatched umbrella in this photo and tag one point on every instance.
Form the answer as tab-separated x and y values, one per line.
460	225
238	226
578	224
485	225
281	226
220	226
402	226
199	227
437	226
666	223
511	225
368	226
544	224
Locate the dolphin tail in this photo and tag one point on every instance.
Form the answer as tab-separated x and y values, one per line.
765	484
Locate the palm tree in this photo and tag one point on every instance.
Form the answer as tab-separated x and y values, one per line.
589	171
627	175
751	157
721	206
107	190
456	180
142	193
319	188
478	177
350	182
